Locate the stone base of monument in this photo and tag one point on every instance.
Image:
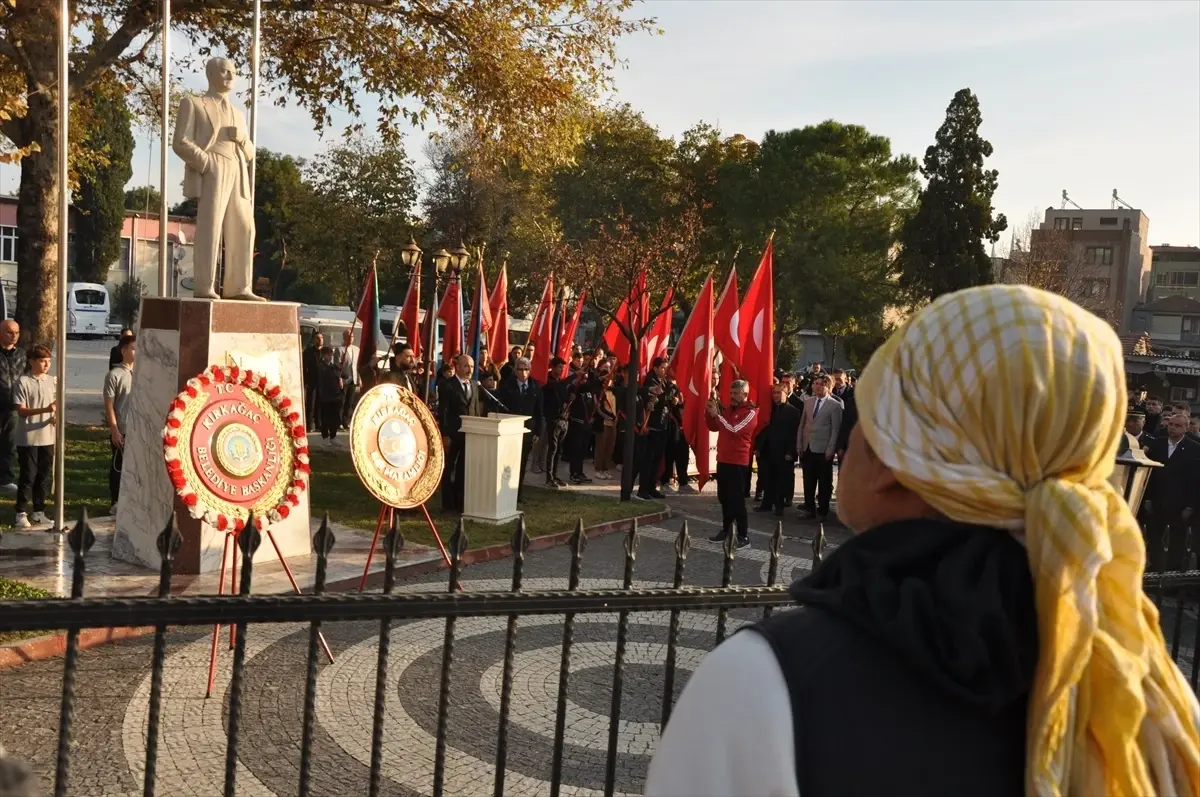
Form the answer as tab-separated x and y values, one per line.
177	339
493	467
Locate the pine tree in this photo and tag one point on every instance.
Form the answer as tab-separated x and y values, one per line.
100	200
942	244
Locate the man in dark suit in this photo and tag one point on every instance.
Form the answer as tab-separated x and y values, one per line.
458	396
777	452
843	390
401	373
1171	495
523	396
1135	425
309	361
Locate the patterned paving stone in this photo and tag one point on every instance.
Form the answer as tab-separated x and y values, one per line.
114	686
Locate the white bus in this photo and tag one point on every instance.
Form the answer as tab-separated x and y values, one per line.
88	306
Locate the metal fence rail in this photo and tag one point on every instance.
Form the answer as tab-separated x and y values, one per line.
1177	595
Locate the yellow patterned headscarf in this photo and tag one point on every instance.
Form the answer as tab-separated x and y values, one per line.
1003	406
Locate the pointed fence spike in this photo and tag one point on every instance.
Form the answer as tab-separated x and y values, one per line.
250	537
169	539
777	539
80	537
458	540
519	541
631	540
683	542
324	539
730	544
578	539
818	546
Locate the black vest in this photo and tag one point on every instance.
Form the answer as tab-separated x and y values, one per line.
908	671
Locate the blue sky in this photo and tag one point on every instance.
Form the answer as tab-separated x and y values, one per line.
1086	96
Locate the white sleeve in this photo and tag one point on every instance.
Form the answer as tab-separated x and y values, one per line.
731	731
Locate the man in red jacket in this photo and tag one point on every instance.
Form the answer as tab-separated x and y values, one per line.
734	426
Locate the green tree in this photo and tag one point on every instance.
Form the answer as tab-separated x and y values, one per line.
358	208
100	197
942	244
520	73
498	204
142	197
623	172
836	198
185	208
279	198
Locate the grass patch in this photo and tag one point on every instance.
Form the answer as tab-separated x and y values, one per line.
16	590
337	490
89	457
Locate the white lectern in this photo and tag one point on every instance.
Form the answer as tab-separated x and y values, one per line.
493	467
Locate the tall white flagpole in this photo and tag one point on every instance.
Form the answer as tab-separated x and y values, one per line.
60	397
164	147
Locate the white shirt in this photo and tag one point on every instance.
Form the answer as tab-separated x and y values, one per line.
465	386
730	735
349	356
1172	446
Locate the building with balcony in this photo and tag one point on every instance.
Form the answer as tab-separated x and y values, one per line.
1107	254
139	250
1174	271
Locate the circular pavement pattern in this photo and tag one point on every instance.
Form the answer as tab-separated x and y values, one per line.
192	747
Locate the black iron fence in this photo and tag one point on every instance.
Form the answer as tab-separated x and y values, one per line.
1177	595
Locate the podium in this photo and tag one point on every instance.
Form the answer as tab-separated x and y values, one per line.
493	467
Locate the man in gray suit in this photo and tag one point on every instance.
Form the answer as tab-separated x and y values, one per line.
210	137
817	442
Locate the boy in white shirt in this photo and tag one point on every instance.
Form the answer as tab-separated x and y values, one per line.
37	414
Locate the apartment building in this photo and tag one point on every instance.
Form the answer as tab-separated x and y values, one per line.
1174	271
1110	251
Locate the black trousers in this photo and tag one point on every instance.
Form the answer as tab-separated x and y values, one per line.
452	475
676	457
654	444
310	407
331	417
1166	544
8	445
818	482
36	463
555	441
777	474
731	492
576	445
114	472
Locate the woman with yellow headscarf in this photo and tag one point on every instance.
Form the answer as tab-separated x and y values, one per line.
984	632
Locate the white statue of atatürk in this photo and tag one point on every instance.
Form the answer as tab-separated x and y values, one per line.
211	138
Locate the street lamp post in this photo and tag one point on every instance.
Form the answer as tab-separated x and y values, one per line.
453	262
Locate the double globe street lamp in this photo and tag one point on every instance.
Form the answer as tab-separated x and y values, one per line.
451	263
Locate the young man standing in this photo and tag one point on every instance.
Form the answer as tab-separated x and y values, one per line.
734	426
37	415
117	387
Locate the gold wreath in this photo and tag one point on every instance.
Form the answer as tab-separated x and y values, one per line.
384	489
210	500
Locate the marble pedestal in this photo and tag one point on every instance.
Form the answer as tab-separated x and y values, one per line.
493	467
177	339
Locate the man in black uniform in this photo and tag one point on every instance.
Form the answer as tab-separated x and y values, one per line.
458	396
653	412
777	452
584	387
309	360
843	390
554	402
523	396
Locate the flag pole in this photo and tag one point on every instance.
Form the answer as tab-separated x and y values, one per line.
60	393
164	146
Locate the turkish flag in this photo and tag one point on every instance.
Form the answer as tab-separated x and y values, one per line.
410	315
692	365
541	333
756	330
566	338
726	336
614	339
450	311
498	337
656	343
481	315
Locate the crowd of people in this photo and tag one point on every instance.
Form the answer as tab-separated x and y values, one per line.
1169	435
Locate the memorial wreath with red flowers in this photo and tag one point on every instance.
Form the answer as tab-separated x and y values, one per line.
235	445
